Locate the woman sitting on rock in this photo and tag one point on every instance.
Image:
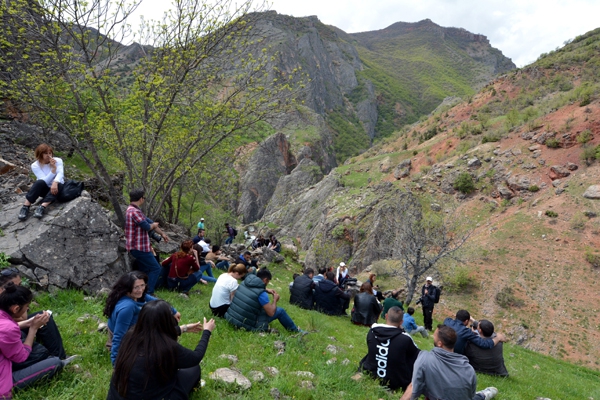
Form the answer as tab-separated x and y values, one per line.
151	364
48	339
366	307
274	244
123	306
14	303
184	272
225	288
50	175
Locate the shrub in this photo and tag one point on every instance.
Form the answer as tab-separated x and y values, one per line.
588	155
4	260
491	137
460	281
552	143
506	298
551	214
592	258
534	188
464	183
584	136
338	232
578	221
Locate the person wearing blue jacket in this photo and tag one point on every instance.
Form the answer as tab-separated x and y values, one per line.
410	326
466	335
123	306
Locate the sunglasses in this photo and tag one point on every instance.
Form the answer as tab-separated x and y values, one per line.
9	272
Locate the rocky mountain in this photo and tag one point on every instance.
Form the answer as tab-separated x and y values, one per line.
519	161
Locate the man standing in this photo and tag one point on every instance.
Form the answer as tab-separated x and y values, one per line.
428	297
487	361
392	353
301	291
201	224
230	234
443	374
466	335
137	241
251	309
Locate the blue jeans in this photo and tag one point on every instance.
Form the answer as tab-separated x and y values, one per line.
182	285
206	267
284	319
224	265
229	240
147	264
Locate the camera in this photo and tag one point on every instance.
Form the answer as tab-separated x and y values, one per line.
419	301
154	236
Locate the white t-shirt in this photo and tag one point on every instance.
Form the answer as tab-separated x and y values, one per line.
221	293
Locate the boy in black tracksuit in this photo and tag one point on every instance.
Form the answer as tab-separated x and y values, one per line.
392	352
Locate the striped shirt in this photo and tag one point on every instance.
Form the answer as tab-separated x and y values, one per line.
136	230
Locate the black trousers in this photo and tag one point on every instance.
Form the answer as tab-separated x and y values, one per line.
220	311
48	337
40	189
187	380
428	318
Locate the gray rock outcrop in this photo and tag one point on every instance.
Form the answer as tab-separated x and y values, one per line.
271	160
592	192
74	245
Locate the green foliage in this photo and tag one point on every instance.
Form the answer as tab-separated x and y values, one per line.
338	232
551	214
534	188
552	143
460	281
592	258
578	221
4	260
350	136
464	183
507	299
584	136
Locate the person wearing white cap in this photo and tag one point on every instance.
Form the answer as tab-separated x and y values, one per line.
341	275
201	224
429	295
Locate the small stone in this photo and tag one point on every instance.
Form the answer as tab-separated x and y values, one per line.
331	361
332	349
256	376
592	192
230	357
88	298
307	385
231	376
275	393
346	361
306	374
357	377
272	371
279	345
102	326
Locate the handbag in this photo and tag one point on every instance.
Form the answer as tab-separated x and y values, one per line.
71	190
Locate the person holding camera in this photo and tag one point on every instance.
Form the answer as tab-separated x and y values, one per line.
138	227
429	294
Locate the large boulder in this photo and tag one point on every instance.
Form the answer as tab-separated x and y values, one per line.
74	245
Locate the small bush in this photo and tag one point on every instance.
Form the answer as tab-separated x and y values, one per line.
534	188
584	136
507	299
592	258
491	137
4	260
464	183
578	221
552	143
460	281
588	154
338	232
551	214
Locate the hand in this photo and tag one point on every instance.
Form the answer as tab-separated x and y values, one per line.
270	291
276	297
194	328
39	320
426	291
501	337
177	316
210	325
202	281
165	237
54	188
52	165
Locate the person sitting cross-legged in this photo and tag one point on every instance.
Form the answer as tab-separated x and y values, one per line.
329	298
487	361
392	352
251	309
366	308
410	326
184	270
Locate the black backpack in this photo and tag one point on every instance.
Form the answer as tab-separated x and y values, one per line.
438	291
234	231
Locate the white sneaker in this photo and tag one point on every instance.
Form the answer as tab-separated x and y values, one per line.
489	392
68	360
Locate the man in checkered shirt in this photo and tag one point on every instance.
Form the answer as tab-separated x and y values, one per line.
137	226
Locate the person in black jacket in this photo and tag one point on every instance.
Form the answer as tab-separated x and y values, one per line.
392	352
427	300
301	291
366	307
151	365
329	298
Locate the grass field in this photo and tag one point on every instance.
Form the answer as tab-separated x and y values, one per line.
531	375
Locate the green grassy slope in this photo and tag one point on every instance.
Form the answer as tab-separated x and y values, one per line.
532	374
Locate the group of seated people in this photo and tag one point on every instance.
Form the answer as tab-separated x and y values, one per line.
271	243
322	292
448	371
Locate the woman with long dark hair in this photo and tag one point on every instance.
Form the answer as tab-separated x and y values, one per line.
14	304
366	307
123	306
151	364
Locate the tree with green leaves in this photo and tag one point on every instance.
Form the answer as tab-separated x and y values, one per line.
157	111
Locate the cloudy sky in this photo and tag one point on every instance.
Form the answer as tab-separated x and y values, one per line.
521	29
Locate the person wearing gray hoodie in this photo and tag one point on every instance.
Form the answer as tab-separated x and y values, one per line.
443	374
